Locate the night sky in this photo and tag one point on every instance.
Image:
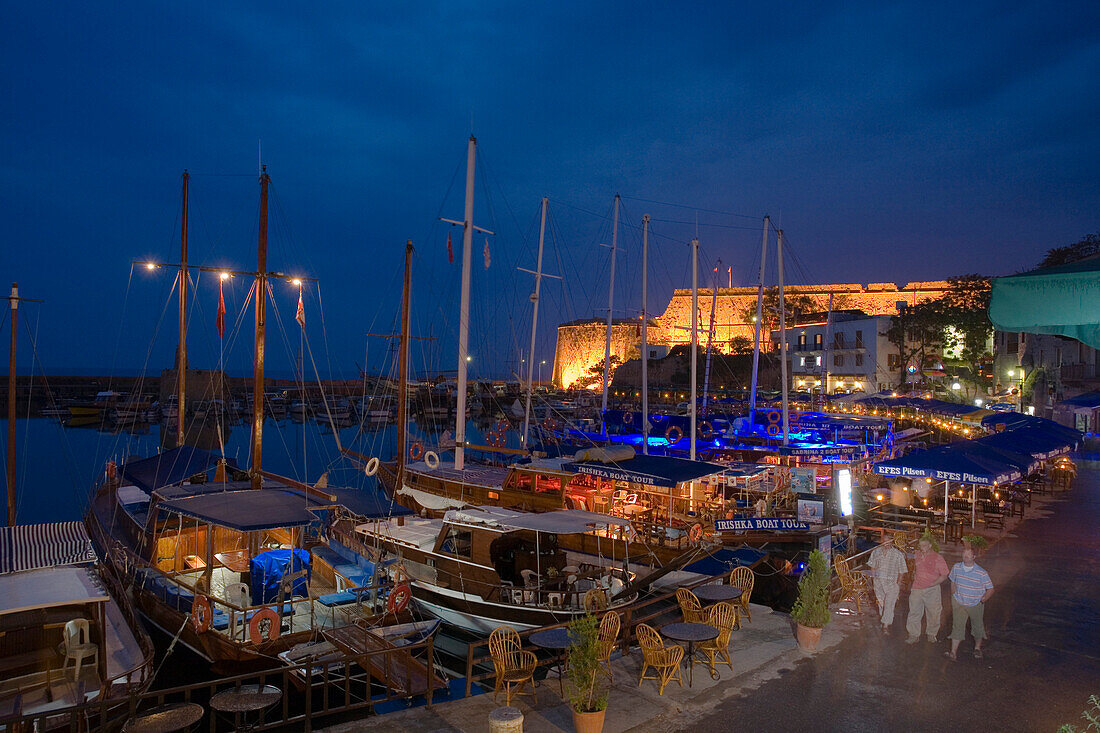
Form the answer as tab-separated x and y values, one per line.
891	141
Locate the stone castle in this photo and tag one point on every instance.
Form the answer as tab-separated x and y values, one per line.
580	343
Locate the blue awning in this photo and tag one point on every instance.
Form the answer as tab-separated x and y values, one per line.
368	503
1034	442
247	510
947	464
1088	399
170	467
1015	421
648	470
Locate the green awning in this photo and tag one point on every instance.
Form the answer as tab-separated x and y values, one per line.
1063	300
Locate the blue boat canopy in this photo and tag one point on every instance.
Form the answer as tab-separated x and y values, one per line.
648	470
367	503
247	510
171	467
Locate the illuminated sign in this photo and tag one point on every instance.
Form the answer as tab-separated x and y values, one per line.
758	523
844	491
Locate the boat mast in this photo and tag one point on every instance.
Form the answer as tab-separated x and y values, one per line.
610	305
403	370
710	338
181	366
825	356
783	340
756	324
645	335
13	301
464	312
534	322
258	367
694	337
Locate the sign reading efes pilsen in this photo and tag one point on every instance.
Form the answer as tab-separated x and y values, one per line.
760	523
900	471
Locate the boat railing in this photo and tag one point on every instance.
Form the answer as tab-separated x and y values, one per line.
336	687
656	609
138	676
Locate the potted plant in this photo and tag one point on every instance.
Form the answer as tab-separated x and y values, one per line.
811	610
975	542
587	686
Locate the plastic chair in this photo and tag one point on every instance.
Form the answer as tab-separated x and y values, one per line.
77	646
665	661
722	616
514	666
609	635
690	607
238	594
743	578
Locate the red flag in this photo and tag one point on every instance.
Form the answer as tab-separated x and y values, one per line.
300	316
221	312
486	253
450	249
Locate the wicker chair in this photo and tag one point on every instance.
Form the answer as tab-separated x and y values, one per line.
609	636
722	616
514	666
690	607
743	578
595	600
854	584
665	661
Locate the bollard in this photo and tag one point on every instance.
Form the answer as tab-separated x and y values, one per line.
506	720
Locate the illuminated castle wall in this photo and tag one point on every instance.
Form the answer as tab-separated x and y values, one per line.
581	343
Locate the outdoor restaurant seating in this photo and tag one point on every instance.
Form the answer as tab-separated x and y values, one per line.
722	616
665	661
690	607
854	584
742	577
514	666
609	635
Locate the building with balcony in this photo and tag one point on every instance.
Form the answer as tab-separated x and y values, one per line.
853	353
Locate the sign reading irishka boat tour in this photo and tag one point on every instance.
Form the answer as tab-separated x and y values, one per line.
767	524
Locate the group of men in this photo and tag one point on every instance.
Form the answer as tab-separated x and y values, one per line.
971	587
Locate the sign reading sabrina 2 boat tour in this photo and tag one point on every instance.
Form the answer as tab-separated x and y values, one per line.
760	523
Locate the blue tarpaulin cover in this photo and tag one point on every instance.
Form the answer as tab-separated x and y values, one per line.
268	569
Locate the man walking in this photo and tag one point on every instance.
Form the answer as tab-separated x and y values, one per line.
970	589
924	597
888	566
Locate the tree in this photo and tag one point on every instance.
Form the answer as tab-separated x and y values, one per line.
593	378
1087	247
740	345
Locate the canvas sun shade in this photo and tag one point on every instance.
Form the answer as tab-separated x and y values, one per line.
1063	300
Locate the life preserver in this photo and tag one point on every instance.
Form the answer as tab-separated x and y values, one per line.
415	451
431	458
372	466
503	425
773	430
398	599
255	626
550	424
695	534
774	416
674	430
497	440
202	613
628	418
706	430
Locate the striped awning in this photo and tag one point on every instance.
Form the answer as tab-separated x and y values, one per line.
32	546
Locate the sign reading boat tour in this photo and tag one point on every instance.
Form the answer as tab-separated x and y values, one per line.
766	524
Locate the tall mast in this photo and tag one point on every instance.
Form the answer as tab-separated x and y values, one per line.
783	340
258	367
694	337
13	301
403	369
645	335
534	322
610	313
464	313
181	367
710	338
757	325
825	356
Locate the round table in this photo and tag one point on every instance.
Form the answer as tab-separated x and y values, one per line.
165	718
240	701
558	640
690	634
716	593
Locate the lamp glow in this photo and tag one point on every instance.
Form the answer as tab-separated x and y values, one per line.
224	276
844	491
296	282
150	266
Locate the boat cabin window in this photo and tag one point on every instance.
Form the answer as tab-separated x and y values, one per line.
458	542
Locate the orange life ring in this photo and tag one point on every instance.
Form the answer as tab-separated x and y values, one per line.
503	425
706	431
774	416
628	418
416	450
255	626
773	430
398	599
497	440
202	613
695	534
674	430
550	424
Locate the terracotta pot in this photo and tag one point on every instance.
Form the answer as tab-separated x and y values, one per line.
588	722
808	637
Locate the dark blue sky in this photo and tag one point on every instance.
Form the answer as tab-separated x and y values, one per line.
894	142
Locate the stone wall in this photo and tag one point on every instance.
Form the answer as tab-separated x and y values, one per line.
581	343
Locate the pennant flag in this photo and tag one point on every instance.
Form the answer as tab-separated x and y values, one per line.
300	316
221	311
450	249
486	253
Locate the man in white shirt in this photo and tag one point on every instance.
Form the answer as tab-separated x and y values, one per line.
887	564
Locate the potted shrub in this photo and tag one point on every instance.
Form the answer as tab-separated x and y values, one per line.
975	542
587	684
811	610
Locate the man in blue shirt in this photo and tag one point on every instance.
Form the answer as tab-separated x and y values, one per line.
970	589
